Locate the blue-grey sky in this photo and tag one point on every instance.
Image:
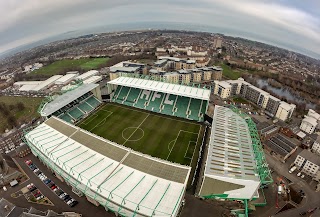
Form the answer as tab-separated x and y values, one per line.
291	24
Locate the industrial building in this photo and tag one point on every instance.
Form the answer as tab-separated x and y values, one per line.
272	106
231	168
87	75
281	146
36	86
121	180
66	79
94	79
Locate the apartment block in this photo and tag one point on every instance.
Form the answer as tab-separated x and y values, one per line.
308	162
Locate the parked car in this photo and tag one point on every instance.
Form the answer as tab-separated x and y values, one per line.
63	195
302	176
299	174
32	167
28	162
59	192
36	170
73	203
38	173
46	181
67	198
53	187
40	197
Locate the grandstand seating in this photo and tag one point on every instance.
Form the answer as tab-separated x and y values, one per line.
123	93
133	96
155	105
85	107
67	118
76	113
93	101
183	107
166	108
194	109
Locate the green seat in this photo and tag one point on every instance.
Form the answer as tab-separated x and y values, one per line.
194	109
182	106
76	113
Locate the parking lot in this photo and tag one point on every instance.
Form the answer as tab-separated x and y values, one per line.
84	207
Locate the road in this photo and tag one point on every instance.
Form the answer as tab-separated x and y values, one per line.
312	198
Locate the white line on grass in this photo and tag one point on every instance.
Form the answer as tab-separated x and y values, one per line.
195	148
98	124
91	118
188	149
175	141
135	130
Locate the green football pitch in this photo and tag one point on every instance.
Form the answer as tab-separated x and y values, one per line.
165	137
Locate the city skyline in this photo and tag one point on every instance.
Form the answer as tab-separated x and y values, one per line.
288	24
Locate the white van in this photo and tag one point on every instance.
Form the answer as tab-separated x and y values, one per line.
292	169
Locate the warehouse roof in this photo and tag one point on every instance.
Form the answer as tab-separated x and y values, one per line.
176	89
65	99
148	185
47	82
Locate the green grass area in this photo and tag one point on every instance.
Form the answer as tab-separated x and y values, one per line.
230	73
28	113
62	66
240	100
168	138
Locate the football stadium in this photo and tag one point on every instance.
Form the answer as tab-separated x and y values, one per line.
138	152
135	154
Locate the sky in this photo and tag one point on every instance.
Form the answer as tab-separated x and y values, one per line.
292	24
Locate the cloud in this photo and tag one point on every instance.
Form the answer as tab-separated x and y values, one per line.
282	22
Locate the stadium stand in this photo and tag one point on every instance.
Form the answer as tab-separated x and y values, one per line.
121	180
183	101
72	105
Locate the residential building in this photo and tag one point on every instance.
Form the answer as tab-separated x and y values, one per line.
285	111
217	42
271	105
308	162
311	122
222	89
316	146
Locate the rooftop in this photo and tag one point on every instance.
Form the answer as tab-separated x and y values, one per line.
230	151
163	87
112	168
310	156
66	98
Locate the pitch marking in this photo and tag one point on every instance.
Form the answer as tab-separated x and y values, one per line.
103	120
195	148
89	119
138	127
133	140
188	149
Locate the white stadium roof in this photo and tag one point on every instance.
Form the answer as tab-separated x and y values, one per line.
163	87
66	98
231	159
116	176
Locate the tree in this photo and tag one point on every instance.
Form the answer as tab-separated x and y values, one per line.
12	121
20	106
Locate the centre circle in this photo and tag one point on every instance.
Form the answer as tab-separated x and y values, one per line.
132	134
